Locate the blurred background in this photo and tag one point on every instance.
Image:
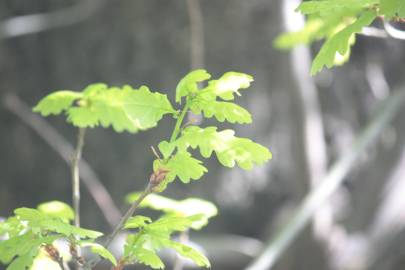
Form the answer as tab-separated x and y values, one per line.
309	124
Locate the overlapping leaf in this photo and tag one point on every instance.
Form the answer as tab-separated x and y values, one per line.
183	166
327	8
222	111
340	42
143	246
229	84
189	84
229	149
124	109
38	221
57	102
392	8
187	207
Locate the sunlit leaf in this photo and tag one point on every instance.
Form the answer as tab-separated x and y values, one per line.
340	43
187	207
57	209
189	84
57	102
229	149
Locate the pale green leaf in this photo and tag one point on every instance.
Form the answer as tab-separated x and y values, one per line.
137	221
57	102
57	209
173	223
189	84
329	7
190	253
228	148
100	250
23	262
148	257
187	207
340	43
392	8
40	221
229	84
185	167
166	148
222	111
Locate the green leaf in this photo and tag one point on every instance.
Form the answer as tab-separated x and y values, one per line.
166	148
24	261
187	207
39	221
124	109
11	227
229	84
327	8
100	250
57	102
228	148
173	223
340	43
222	111
184	166
189	84
57	209
392	8
149	258
137	221
190	253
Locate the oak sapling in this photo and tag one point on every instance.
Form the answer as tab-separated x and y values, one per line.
133	110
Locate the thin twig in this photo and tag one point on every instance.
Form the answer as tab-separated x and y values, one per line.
75	175
332	181
148	190
95	187
35	23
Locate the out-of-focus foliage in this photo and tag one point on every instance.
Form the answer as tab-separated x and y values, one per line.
338	22
186	207
31	231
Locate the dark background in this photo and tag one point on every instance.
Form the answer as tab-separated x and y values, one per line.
140	42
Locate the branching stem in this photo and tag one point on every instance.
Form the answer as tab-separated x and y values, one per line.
148	190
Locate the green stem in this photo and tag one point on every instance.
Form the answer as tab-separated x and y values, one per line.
177	127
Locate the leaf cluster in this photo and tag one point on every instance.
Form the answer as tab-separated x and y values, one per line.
29	230
151	237
213	100
125	109
337	22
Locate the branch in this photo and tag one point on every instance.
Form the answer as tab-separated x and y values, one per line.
95	187
394	32
332	181
75	175
196	34
148	190
35	23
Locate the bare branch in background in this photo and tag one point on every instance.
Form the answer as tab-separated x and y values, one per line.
374	32
196	61
313	201
196	34
394	32
65	150
35	23
313	140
